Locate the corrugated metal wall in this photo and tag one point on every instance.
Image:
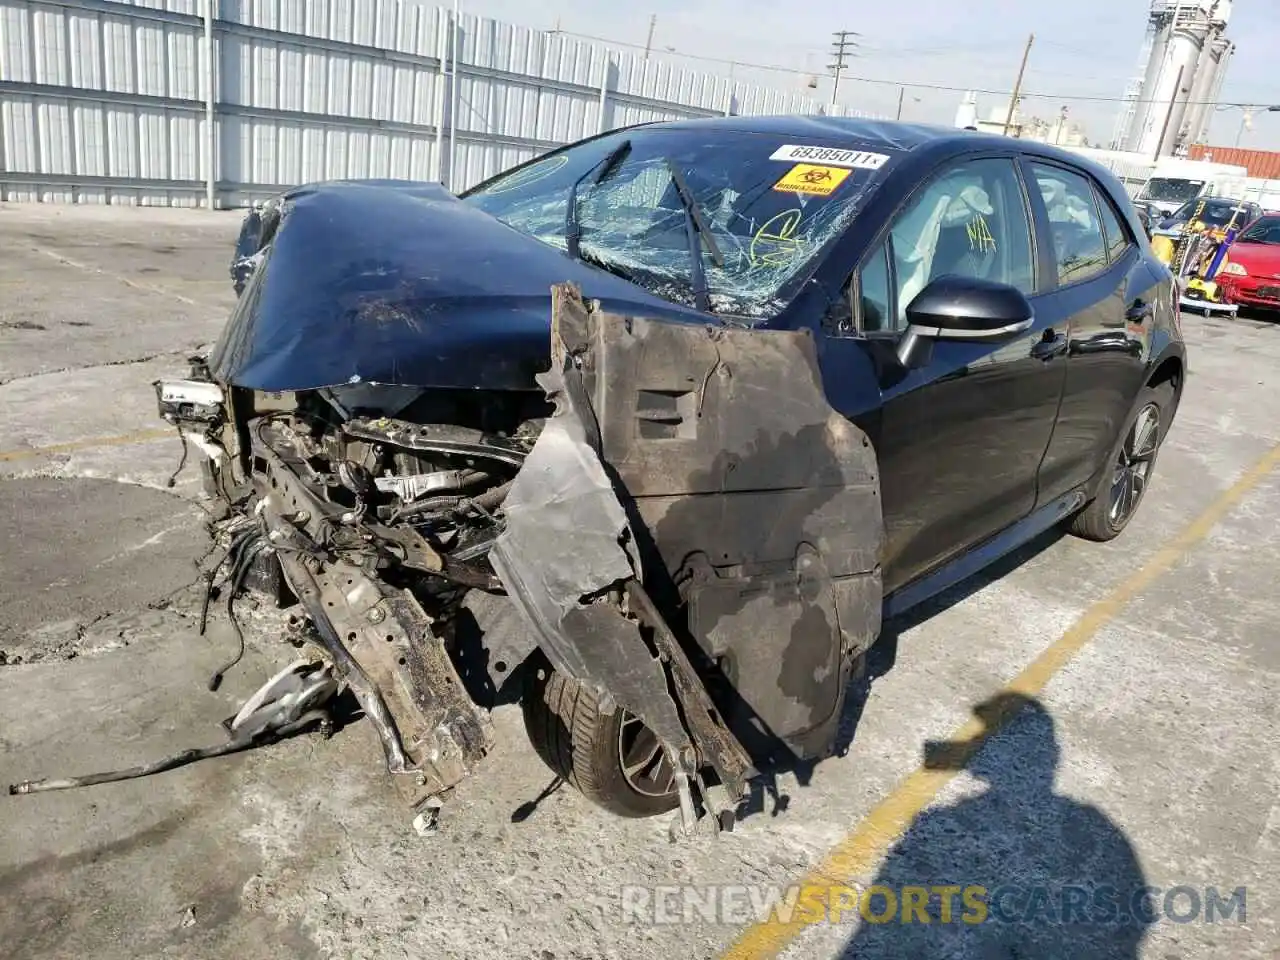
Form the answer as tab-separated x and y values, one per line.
111	100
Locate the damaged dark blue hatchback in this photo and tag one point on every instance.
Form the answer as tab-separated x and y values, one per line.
650	432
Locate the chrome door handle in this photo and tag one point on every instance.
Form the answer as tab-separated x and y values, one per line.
1053	345
1139	312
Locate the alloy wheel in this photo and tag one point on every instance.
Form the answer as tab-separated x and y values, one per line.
645	765
1133	465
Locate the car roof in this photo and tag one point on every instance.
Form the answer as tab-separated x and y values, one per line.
1216	201
893	135
888	134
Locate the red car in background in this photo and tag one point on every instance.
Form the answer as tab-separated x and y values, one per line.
1251	275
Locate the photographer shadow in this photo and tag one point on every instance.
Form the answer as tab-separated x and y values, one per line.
1026	871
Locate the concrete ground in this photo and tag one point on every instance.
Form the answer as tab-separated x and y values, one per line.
1150	757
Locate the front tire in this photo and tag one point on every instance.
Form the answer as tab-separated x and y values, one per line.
1130	468
610	758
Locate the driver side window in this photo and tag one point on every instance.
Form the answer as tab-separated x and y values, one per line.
970	221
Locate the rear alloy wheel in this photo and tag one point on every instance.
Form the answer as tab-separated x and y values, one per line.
1132	464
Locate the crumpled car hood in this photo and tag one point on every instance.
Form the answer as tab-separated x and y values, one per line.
403	283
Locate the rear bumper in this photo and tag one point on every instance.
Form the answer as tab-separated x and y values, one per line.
1207	306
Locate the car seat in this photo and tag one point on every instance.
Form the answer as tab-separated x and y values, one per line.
934	239
960	253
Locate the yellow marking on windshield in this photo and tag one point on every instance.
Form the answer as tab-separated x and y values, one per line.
776	241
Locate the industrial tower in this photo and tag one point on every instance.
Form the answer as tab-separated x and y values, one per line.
1184	61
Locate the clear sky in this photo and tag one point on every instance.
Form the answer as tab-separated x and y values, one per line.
1082	49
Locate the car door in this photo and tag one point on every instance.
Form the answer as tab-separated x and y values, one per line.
1106	293
959	440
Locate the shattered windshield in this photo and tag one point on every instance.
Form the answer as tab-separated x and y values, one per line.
1215	213
1171	189
1266	230
769	207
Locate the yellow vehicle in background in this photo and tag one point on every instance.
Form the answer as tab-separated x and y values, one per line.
1194	241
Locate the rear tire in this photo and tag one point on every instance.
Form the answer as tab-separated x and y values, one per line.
1129	468
586	746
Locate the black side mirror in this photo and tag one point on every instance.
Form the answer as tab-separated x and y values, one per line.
963	308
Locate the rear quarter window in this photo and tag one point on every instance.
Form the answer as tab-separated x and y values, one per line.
1117	234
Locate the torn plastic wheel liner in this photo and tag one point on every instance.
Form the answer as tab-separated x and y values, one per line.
704	463
677	528
565	542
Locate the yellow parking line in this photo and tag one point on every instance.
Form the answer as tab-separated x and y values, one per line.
124	440
860	851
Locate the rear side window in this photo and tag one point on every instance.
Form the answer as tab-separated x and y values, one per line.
1078	242
1118	238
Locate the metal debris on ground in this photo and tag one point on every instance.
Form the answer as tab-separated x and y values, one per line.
294	700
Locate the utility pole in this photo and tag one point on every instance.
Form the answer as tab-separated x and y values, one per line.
653	22
1017	84
1164	130
902	92
841	48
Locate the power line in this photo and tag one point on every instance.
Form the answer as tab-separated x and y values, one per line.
914	85
973	49
1108	78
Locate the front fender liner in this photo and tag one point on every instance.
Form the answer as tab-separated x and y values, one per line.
696	534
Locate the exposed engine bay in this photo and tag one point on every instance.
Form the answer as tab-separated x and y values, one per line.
379	527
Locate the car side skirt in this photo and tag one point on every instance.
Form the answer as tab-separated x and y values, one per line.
983	555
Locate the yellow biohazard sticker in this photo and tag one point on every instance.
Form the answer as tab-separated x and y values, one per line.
812	178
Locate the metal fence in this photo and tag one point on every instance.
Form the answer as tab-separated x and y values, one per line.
217	102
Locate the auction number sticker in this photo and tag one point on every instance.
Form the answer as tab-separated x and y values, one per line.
833	156
811	178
